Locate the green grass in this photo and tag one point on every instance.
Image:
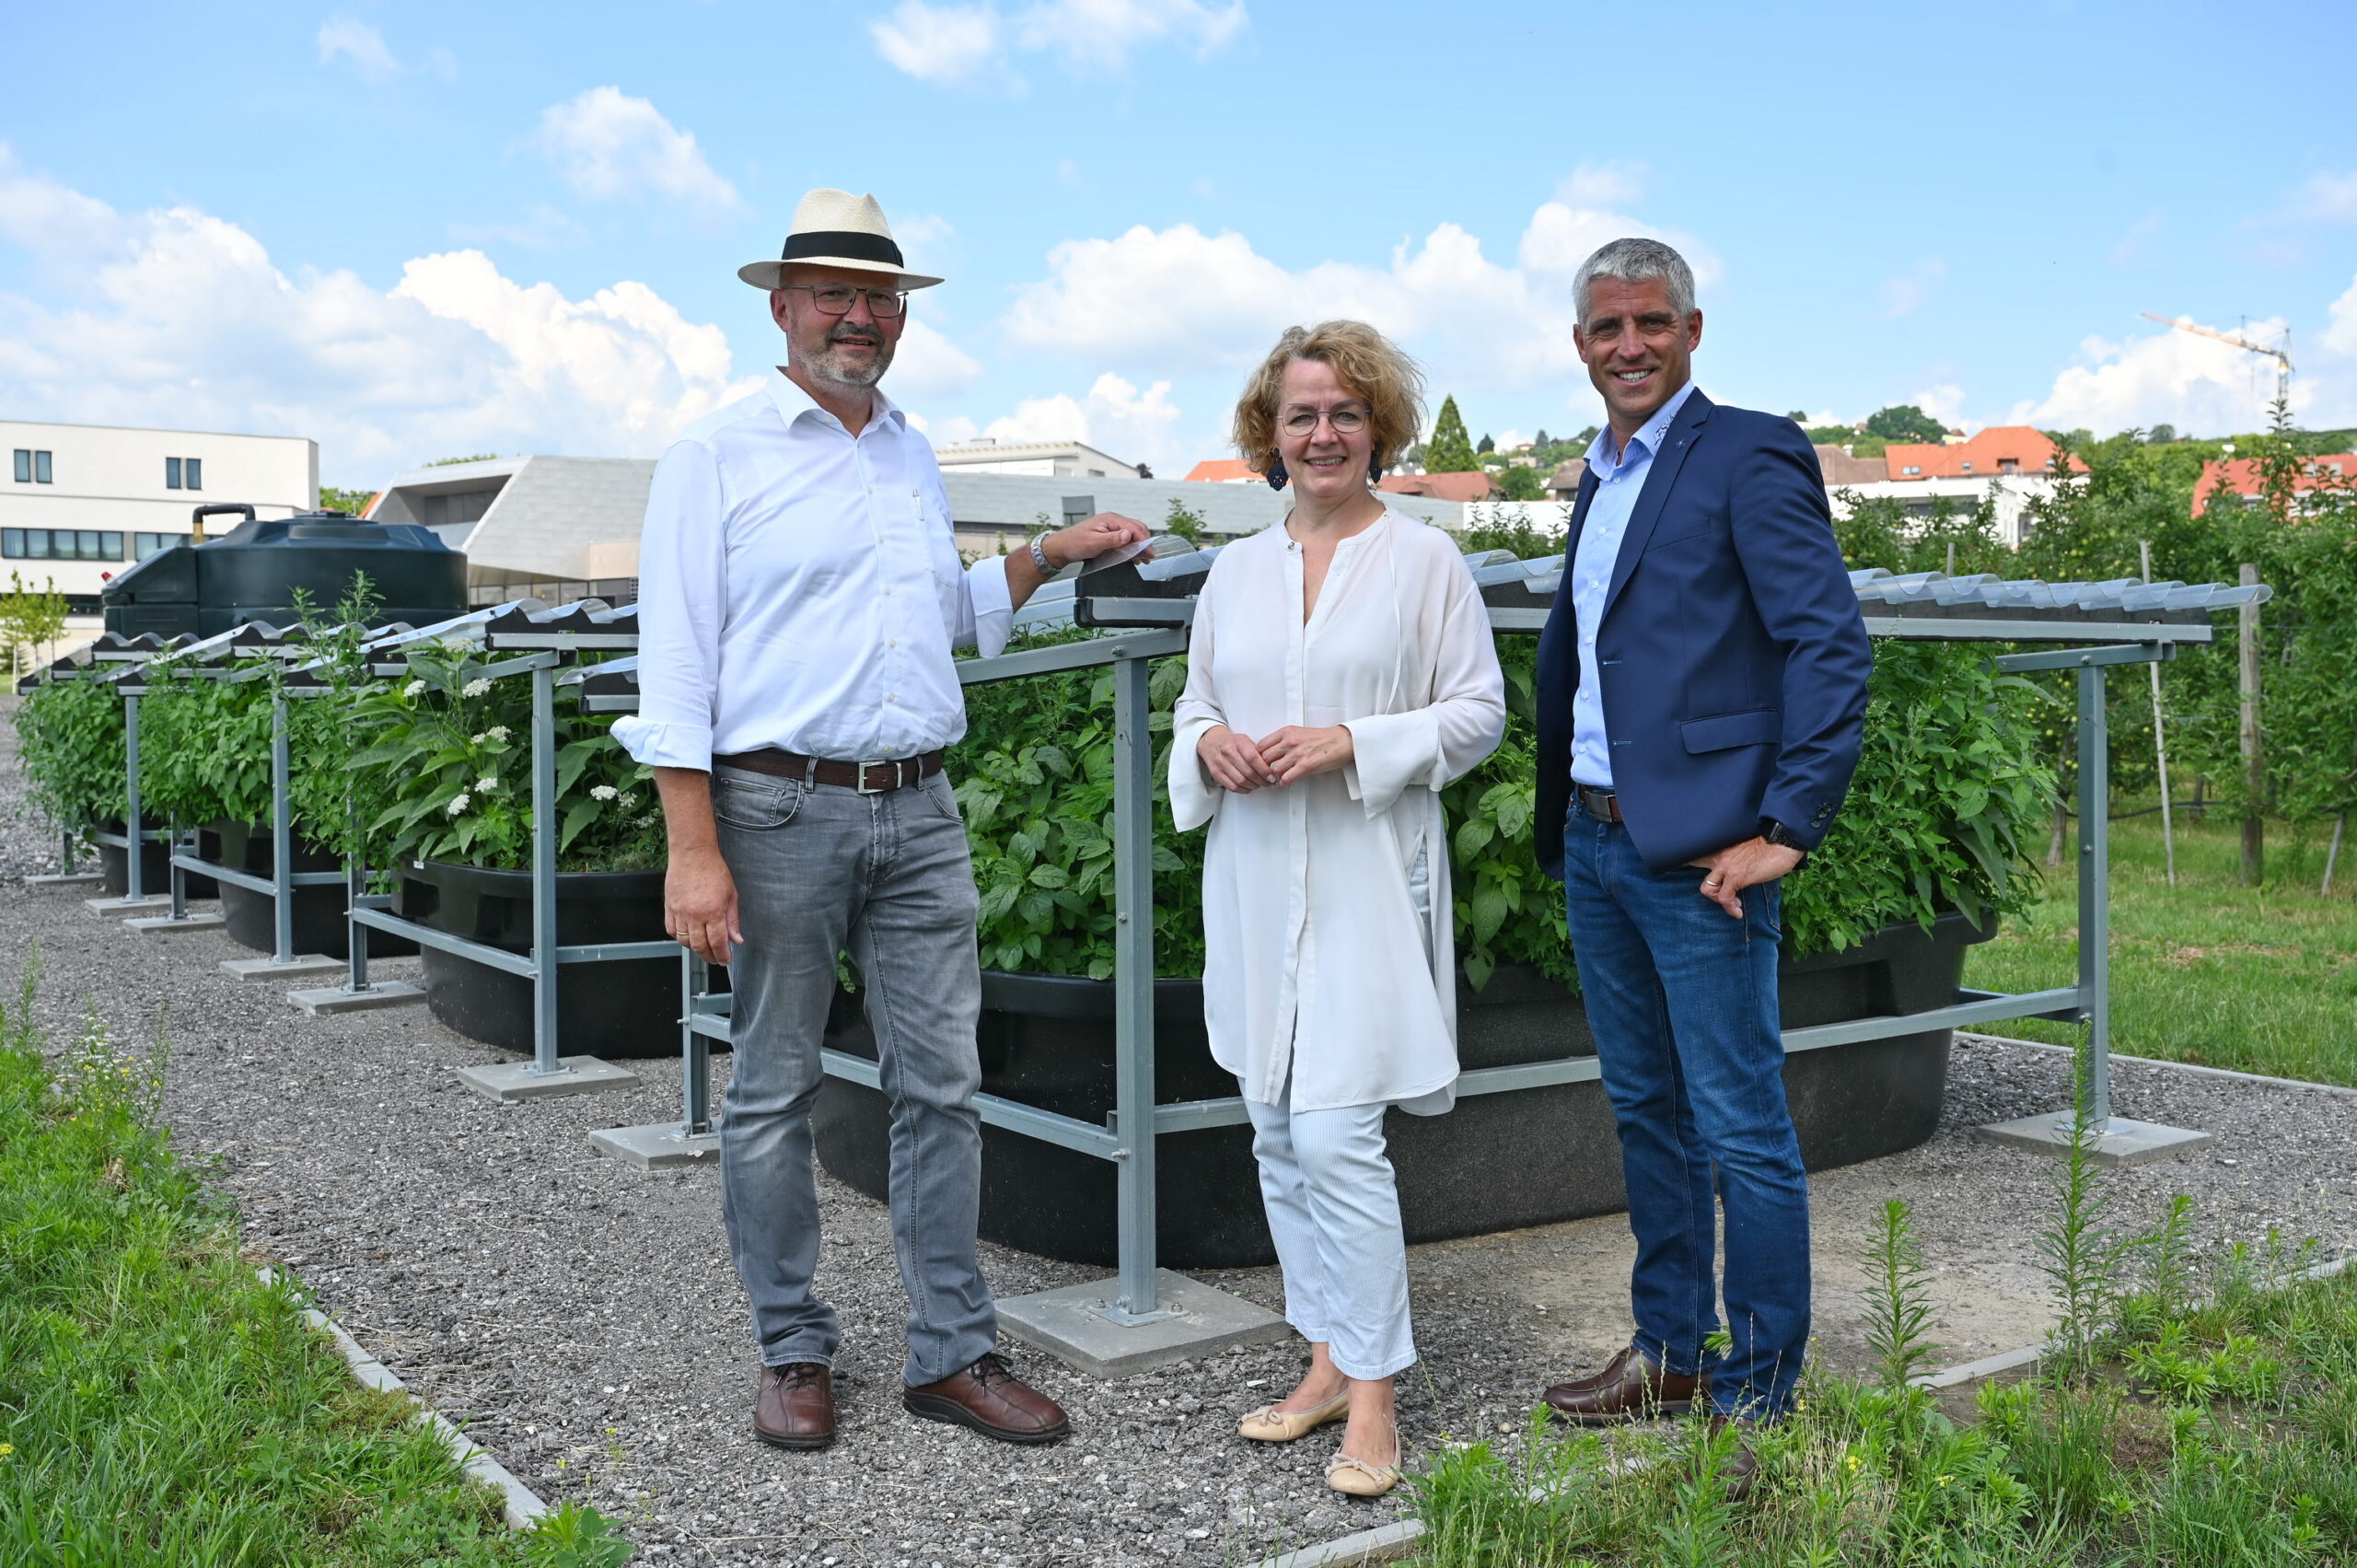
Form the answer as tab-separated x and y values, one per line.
159	1404
2260	980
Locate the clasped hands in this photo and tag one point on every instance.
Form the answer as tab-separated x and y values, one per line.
1241	764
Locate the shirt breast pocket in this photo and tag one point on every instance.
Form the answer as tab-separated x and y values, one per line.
940	535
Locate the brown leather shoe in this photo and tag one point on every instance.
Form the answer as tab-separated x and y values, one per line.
795	1406
1739	1471
1630	1389
992	1400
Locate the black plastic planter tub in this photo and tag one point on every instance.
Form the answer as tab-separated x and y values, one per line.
154	870
626	1008
1497	1162
251	918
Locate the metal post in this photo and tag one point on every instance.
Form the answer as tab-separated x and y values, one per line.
544	934
65	851
1133	982
356	935
132	886
281	839
2254	766
2094	884
695	1051
2160	743
178	875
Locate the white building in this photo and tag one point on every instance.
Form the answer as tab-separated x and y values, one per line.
1039	460
78	503
2009	495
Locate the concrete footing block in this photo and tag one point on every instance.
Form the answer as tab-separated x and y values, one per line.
330	999
65	880
511	1083
294	968
1072	1325
659	1147
1384	1543
165	925
128	905
2124	1142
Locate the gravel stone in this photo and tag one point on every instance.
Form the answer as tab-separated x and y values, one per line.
581	1319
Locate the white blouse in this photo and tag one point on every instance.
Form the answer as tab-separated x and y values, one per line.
1329	953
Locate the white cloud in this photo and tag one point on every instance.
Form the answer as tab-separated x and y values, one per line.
960	43
361	45
939	43
1945	403
1178	299
2341	336
927	363
1114	417
607	145
1903	295
2326	198
2172	377
178	319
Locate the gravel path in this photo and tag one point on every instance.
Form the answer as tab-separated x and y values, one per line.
580	1318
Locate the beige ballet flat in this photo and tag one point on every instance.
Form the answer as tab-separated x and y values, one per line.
1356	1478
1270	1424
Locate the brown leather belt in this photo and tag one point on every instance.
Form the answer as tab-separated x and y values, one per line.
868	778
1600	803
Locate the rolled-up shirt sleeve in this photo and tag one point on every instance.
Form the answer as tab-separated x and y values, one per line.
990	607
682	599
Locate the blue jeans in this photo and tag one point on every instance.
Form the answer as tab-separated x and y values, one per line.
822	870
1682	999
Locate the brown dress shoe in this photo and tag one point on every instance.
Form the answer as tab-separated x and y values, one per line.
795	1406
992	1400
1739	1471
1630	1389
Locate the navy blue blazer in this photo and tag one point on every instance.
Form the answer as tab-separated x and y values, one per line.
1733	655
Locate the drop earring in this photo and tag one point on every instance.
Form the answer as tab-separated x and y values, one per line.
1277	476
1375	469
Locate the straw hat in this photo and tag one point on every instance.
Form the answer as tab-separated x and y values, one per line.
835	228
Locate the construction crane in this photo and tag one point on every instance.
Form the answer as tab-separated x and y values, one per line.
2281	357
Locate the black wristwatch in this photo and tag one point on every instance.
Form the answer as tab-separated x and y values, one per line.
1776	833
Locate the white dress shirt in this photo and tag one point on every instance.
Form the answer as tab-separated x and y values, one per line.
799	587
1329	956
1619	479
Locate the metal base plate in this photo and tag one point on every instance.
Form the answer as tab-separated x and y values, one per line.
1070	1325
129	906
165	925
65	879
660	1148
2123	1141
271	968
326	999
511	1082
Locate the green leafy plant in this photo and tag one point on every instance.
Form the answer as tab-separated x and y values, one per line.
30	621
70	736
204	735
1898	1302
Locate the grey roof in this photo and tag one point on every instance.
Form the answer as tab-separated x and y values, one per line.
1019	501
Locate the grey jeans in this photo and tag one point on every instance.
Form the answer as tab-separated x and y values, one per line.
822	870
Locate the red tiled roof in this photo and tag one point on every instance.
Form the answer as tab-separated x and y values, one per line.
2001	449
1473	486
1222	471
2334	471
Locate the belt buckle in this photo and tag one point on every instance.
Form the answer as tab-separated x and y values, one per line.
859	780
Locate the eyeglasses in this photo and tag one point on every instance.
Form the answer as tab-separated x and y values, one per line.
834	299
1347	420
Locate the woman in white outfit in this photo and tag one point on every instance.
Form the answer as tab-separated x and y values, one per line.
1341	672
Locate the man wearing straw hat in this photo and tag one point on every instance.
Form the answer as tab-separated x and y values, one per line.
799	595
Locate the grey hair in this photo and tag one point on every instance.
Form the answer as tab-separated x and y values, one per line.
1636	260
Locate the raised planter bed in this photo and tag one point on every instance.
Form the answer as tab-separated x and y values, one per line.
626	1008
1497	1162
251	918
154	870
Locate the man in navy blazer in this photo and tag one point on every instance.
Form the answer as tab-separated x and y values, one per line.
1702	696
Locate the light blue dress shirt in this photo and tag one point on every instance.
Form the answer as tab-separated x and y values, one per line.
1618	483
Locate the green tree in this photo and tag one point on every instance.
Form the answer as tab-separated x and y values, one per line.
1184	521
1517	483
1485	447
30	621
352	501
1905	422
1451	449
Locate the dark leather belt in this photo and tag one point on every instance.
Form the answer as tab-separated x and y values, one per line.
1601	804
868	778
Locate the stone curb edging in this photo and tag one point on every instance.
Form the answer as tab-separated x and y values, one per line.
519	1504
1390	1542
2191	1067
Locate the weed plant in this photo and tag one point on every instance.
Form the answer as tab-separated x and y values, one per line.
160	1405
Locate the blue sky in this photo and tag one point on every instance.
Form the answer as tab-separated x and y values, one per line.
418	230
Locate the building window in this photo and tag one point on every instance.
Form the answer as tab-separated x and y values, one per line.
172	473
41	468
1911	471
1967	467
183	473
32	468
147	544
60	544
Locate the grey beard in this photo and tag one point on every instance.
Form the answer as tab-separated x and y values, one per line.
825	367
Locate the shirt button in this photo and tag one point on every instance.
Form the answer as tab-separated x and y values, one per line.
891	696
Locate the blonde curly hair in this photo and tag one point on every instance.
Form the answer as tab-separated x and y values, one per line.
1366	362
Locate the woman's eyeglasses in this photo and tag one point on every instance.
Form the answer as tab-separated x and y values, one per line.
1347	420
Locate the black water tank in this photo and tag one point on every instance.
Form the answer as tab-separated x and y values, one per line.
253	573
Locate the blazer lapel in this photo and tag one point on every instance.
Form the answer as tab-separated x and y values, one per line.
1680	439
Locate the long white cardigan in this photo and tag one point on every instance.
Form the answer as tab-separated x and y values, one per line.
1322	959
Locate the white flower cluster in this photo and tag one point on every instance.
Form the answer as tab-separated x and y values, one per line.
497	732
474	688
486	783
415	689
458	804
603	792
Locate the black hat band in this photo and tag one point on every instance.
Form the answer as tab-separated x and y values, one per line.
846	243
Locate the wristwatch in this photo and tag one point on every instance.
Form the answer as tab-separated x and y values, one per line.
1775	832
1039	556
